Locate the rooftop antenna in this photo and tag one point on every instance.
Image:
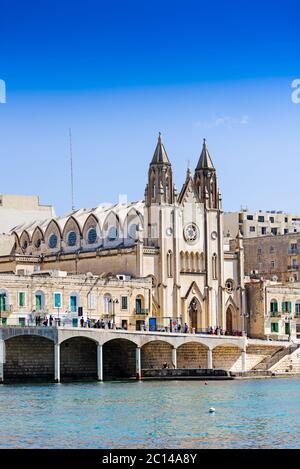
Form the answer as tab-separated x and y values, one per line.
71	166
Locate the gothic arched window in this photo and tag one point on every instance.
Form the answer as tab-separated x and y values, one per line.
170	264
214	266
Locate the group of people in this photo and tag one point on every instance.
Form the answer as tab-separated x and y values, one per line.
99	324
46	321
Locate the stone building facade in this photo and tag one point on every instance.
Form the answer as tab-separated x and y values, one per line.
273	310
273	257
175	239
260	223
125	303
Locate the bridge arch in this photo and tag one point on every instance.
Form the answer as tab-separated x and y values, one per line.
28	357
192	355
78	359
155	353
119	359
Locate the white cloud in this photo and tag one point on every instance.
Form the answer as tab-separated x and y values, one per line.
226	121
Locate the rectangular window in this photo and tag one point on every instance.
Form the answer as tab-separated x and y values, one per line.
249	217
263	230
22	322
272	219
274	327
21	299
274	231
124	301
57	300
286	230
272	264
261	219
251	229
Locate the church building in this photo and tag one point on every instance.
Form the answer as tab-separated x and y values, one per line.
176	239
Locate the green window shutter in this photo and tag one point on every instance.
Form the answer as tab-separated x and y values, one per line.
283	307
124	302
57	300
290	306
21	299
276	307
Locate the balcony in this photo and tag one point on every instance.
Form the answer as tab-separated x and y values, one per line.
275	314
293	251
142	311
293	267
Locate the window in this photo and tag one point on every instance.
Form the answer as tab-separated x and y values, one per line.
261	219
91	298
259	251
274	231
214	266
251	229
249	217
92	236
72	237
38	243
73	303
274	327
57	300
39	301
124	302
274	306
272	249
229	285
286	230
297	307
21	299
112	233
52	243
170	264
3	302
263	230
286	219
272	265
272	219
107	304
132	231
25	244
286	306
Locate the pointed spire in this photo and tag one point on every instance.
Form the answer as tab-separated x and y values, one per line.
160	155
205	161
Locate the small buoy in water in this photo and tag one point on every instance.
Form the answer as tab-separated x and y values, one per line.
212	410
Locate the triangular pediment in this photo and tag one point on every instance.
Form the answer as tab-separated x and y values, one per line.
194	290
231	302
188	193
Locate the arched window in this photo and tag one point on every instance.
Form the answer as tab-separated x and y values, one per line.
229	285
3	300
112	233
72	238
39	300
214	266
274	306
170	264
133	231
92	236
52	242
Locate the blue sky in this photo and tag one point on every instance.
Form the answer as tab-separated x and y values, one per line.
117	72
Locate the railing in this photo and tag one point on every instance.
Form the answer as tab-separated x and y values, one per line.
141	311
293	267
275	314
293	251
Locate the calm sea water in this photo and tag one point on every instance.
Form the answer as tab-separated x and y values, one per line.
249	414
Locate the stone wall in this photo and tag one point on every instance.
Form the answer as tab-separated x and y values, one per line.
78	359
154	354
227	358
29	358
192	355
119	359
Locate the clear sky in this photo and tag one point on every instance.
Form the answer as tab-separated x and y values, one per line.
117	72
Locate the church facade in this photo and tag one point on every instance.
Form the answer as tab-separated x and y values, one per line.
176	239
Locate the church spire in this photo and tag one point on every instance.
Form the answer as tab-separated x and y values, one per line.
205	161
160	155
160	187
205	179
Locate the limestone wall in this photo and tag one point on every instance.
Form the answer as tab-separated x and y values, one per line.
78	359
155	354
192	355
29	358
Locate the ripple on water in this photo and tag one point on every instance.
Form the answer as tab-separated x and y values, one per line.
249	414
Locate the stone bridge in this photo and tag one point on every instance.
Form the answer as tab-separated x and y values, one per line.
67	353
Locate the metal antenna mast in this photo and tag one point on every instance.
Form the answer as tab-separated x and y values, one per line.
71	163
